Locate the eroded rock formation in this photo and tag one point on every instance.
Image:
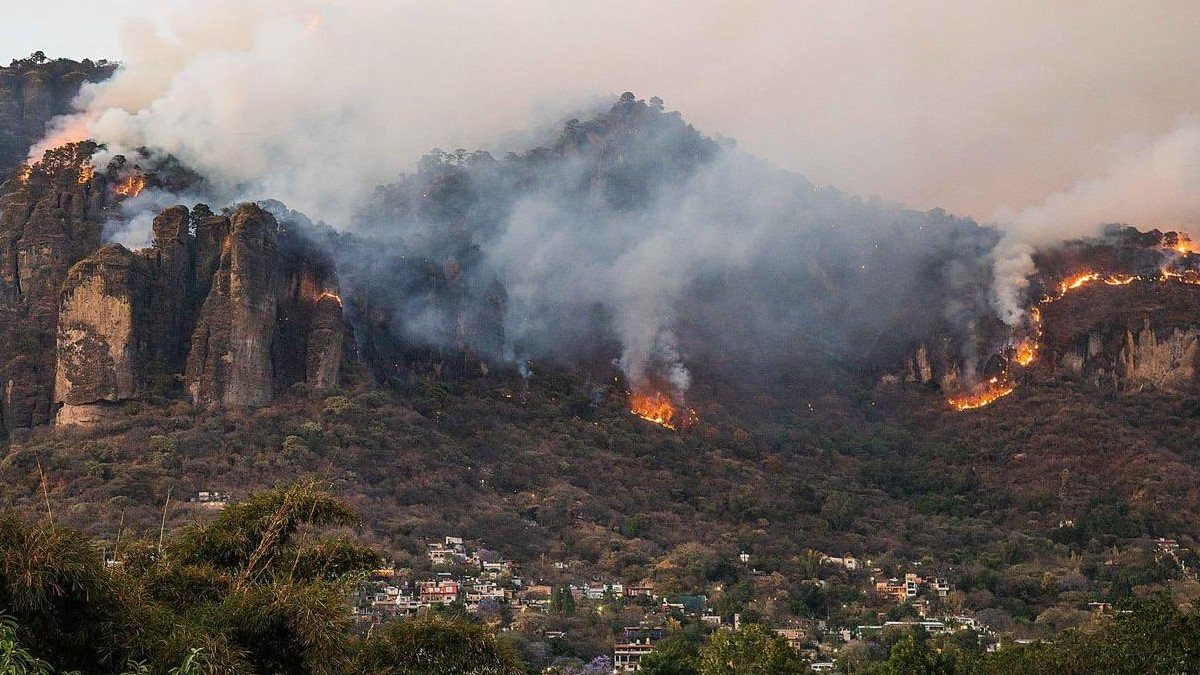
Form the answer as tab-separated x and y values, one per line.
50	219
237	312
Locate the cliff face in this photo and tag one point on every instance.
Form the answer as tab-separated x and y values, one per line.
230	358
1141	336
102	339
49	219
233	307
129	322
32	92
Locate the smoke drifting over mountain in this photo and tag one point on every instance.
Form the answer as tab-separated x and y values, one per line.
1046	119
972	108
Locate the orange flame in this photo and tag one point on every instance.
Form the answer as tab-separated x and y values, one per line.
1184	244
85	174
1026	351
26	172
1076	281
657	408
981	395
328	294
132	186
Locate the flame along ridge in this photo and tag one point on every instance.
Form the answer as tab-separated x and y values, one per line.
1025	351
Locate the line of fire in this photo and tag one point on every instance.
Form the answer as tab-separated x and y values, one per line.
1180	264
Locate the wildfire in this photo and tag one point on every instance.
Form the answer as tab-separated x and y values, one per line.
1026	351
1076	281
1184	245
26	172
656	407
85	173
993	389
132	186
327	294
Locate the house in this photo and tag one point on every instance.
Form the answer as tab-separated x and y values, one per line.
848	561
931	627
440	555
892	588
497	568
641	589
922	606
912	584
440	592
643	633
796	637
821	666
627	655
483	591
210	499
940	586
964	622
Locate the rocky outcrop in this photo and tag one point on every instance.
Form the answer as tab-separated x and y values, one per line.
1167	363
102	330
238	312
272	317
230	358
50	219
1141	336
32	92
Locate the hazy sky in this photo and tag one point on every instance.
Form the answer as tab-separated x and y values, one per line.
1031	110
72	28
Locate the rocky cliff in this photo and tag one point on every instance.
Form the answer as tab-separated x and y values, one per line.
225	309
1140	336
1121	310
32	92
130	322
50	218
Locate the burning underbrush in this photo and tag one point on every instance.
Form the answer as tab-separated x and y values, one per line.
990	391
131	186
662	410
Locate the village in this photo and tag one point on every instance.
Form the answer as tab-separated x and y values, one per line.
470	578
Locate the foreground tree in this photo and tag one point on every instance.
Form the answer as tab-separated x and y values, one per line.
435	645
750	650
672	656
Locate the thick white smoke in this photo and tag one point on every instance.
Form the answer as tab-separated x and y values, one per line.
1148	183
965	106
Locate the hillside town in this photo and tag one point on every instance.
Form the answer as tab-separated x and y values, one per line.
468	577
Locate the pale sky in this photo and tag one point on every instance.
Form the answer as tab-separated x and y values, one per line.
73	29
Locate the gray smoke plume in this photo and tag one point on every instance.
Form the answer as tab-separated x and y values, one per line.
315	102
